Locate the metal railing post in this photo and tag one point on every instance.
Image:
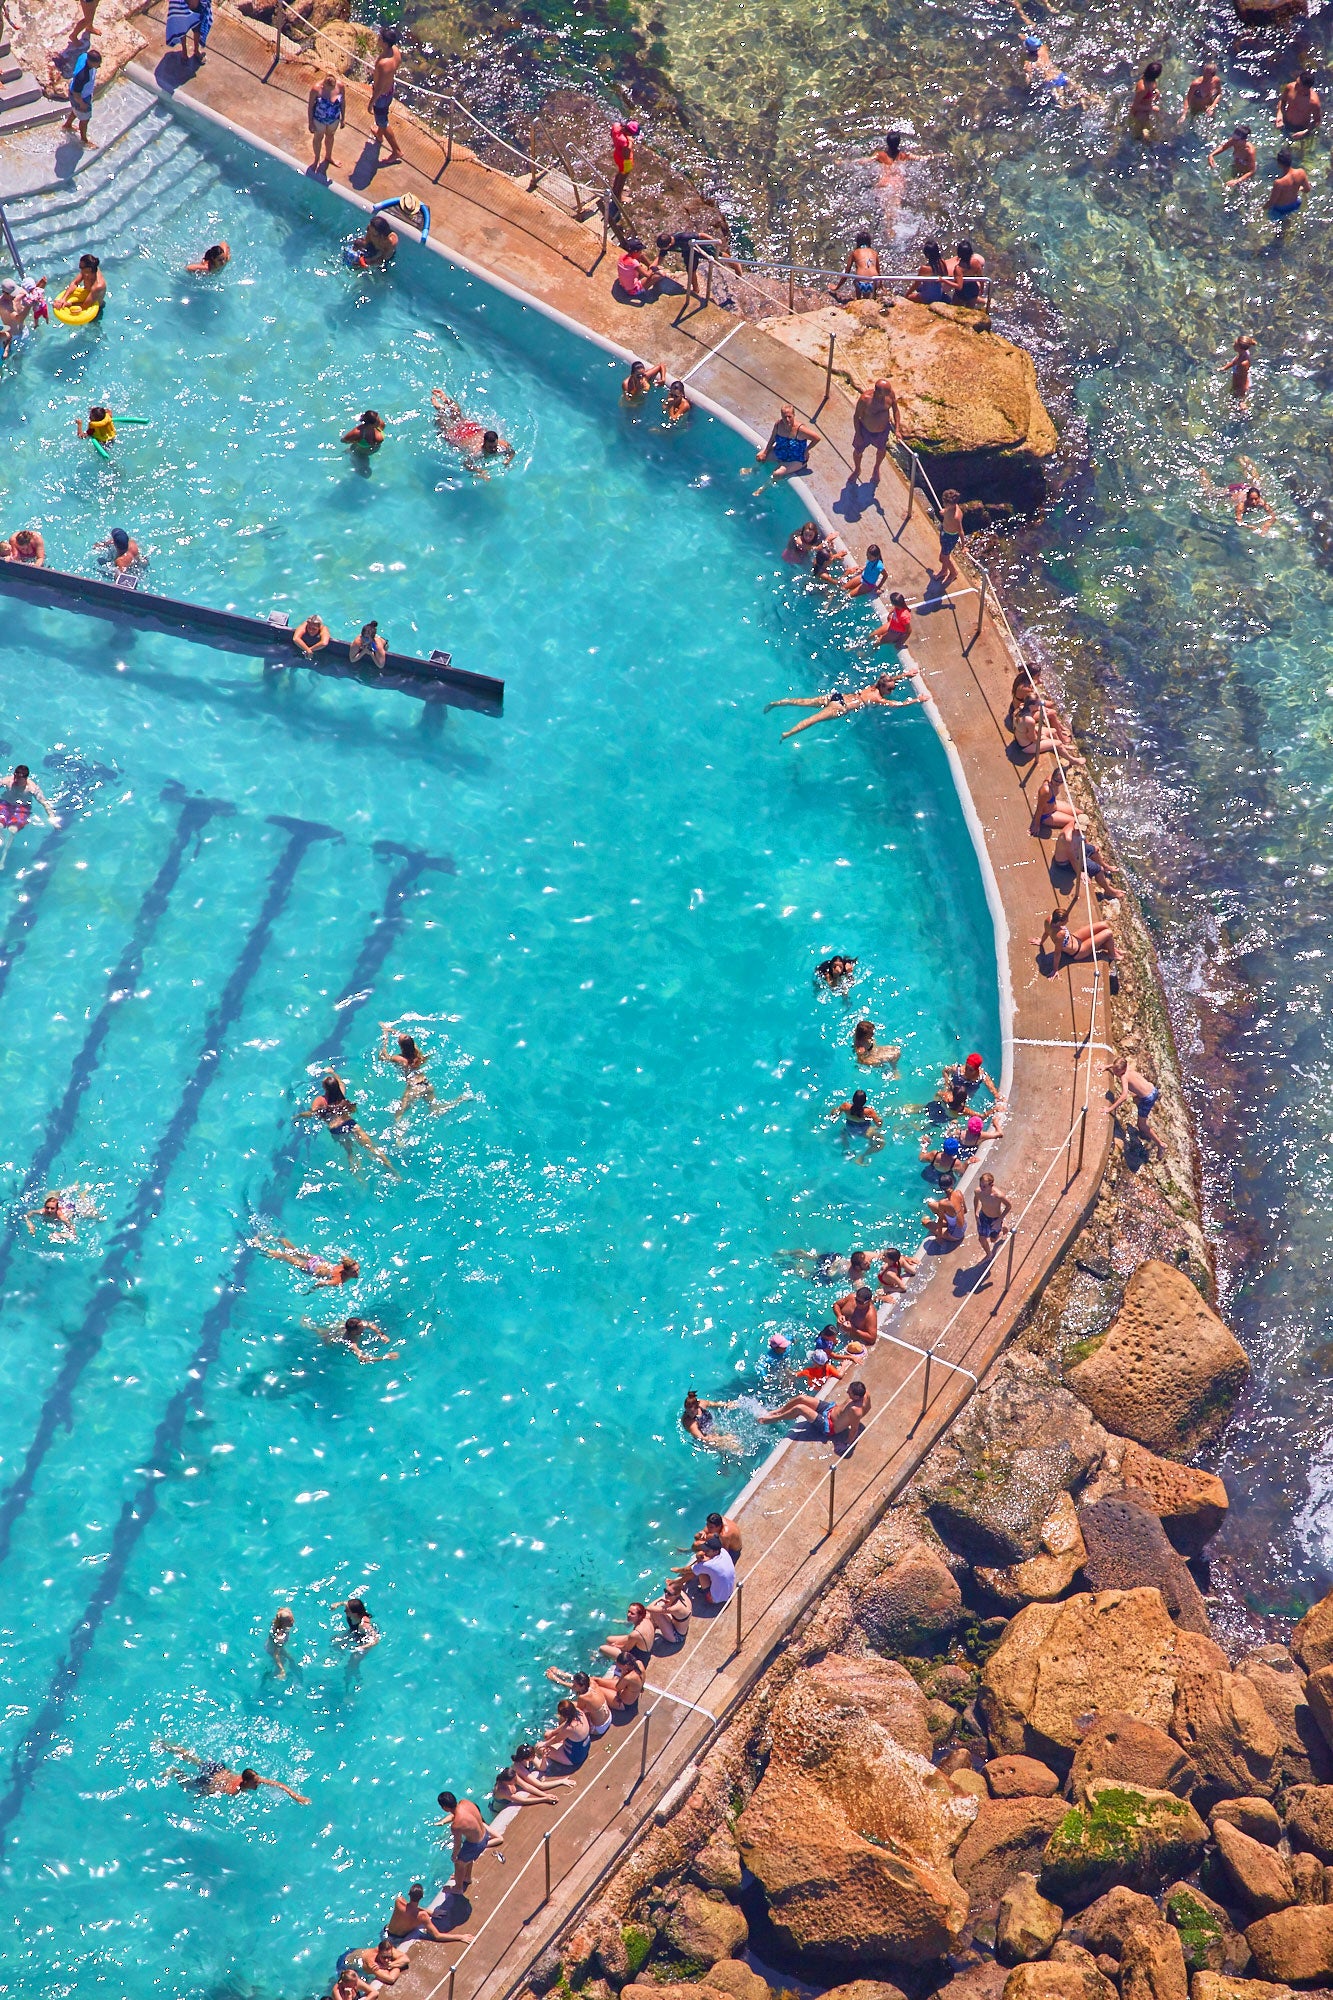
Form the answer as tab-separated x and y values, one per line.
546	1856
643	1758
532	157
606	221
452	1970
791	291
740	1595
708	290
1082	1135
449	134
911	491
981	605
925	1396
832	1495
828	371
279	23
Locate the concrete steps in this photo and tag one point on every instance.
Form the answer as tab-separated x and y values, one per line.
23	102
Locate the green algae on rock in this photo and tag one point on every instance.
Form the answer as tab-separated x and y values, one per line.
1121	1837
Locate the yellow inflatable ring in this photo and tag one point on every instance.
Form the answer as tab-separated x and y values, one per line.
77	315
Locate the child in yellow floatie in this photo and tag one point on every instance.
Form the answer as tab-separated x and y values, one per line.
101	426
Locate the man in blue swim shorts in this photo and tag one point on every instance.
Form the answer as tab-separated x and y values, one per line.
842	1422
382	85
471	1834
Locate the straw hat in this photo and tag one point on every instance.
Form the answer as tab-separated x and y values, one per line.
409	206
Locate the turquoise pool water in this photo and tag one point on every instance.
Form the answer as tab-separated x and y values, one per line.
602	912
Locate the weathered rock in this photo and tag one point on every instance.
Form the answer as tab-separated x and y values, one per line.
717	1865
865	1989
1021	1778
1257	1873
1048	1574
1167	1370
914	1607
1319	1694
993	1483
984	1981
1307	1875
1257	1817
1295	1944
883	1690
1007	1839
1190	1504
972	1783
1104	1925
1059	1663
1137	1839
851	1836
1303	1756
700	1928
1126	1546
1058	1982
1312	1640
1225	1986
734	1977
1028	1924
1152	1965
1119	1746
1208	1938
1310	1819
1219	1719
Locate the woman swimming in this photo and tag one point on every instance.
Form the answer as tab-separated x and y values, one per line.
836	973
870	1053
411	1060
832	707
352	1334
335	1110
323	1270
696	1419
62	1209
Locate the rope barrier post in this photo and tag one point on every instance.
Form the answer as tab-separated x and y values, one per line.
791	290
546	1856
740	1594
832	1494
708	290
449	134
1009	1269
452	1970
1082	1135
532	157
606	222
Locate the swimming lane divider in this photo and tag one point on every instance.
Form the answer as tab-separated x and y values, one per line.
58	1408
121	980
138	1511
433	680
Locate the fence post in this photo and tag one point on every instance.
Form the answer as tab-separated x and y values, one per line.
1082	1135
279	23
449	134
832	1491
828	372
532	157
925	1396
740	1593
546	1855
643	1757
911	491
791	291
708	292
452	1970
606	221
981	605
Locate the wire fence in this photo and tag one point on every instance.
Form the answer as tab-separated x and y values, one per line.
766	288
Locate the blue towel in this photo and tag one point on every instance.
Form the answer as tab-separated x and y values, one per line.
184	19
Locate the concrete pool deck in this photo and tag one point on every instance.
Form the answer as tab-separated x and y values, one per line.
803	1513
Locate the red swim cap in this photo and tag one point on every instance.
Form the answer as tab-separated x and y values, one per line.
973	1062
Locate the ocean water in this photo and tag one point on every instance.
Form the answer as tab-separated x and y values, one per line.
599	914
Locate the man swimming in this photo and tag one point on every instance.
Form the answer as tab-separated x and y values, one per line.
214	1780
1298	111
1284	197
1244	157
832	707
472	439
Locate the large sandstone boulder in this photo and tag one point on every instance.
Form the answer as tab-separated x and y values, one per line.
1119	1746
1295	1945
1105	1924
1167	1370
1028	1924
1257	1817
1190	1504
983	1981
735	1978
1220	1721
1152	1966
1060	1663
991	1485
717	1865
1319	1694
1259	1877
1310	1819
1021	1778
914	1607
851	1836
700	1927
1303	1755
1225	1986
1132	1838
1208	1938
1047	1575
865	1989
880	1689
1006	1839
1058	1982
1126	1546
1312	1640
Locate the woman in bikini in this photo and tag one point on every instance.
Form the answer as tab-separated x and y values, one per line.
568	1744
335	1110
323	1270
1036	734
1078	945
831	707
696	1420
1053	812
412	1061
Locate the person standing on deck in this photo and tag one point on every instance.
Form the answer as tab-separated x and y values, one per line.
382	86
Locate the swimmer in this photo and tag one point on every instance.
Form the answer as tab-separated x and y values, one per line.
897	627
101	426
122	551
1244	157
1041	69
412	1061
17	793
641	379
870	1053
860	1120
367	433
696	1420
1291	182
279	1632
323	1270
895	1270
867	581
379	244
351	1334
942	1159
832	707
361	1633
382	1962
1238	368
844	1420
856	1316
1298	111
946	1219
88	289
15	305
676	405
335	1110
1245	498
862	267
62	1210
1146	100
1139	1090
214	1780
311	636
214	259
24	546
801	542
476	443
1205	92
369	646
989	1208
959	1083
836	973
789	444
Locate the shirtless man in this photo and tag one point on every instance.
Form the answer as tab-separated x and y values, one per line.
214	1780
946	1218
589	1695
407	1919
471	1834
471	438
1284	197
1244	157
832	707
876	420
382	1961
1298	108
18	790
990	1207
844	1420
1205	92
1135	1088
382	86
726	1530
862	267
856	1316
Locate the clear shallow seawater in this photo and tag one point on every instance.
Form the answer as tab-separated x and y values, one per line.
601	911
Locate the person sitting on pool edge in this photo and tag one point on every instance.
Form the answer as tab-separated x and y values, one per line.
789	444
836	1420
713	1570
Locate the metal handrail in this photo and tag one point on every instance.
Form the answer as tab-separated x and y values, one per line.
10	244
751	269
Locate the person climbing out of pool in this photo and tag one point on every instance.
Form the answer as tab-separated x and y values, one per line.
119	552
843	1420
1238	368
82	84
856	1316
467	434
946	1218
871	1054
1140	1091
325	116
1146	100
408	1920
17	793
215	1780
836	973
1078	944
1299	111
25	545
383	1963
867	581
642	377
101	425
215	259
989	1208
801	541
335	1110
860	1120
324	1271
696	1420
1245	497
788	446
86	292
367	433
368	647
832	707
353	1334
1244	157
862	267
311	636
383	84
471	1837
1290	183
378	246
1205	91
279	1634
62	1210
894	1271
876	419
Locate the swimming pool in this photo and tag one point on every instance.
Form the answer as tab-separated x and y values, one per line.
602	911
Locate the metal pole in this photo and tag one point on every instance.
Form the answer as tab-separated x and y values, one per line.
452	1970
643	1759
832	1491
279	22
1082	1135
925	1394
740	1593
708	289
791	290
532	155
981	605
449	135
546	1855
828	372
606	221
911	491
1009	1270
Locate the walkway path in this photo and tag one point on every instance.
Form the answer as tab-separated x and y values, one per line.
805	1514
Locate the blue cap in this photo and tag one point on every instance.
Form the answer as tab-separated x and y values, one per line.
951	1144
1031	43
